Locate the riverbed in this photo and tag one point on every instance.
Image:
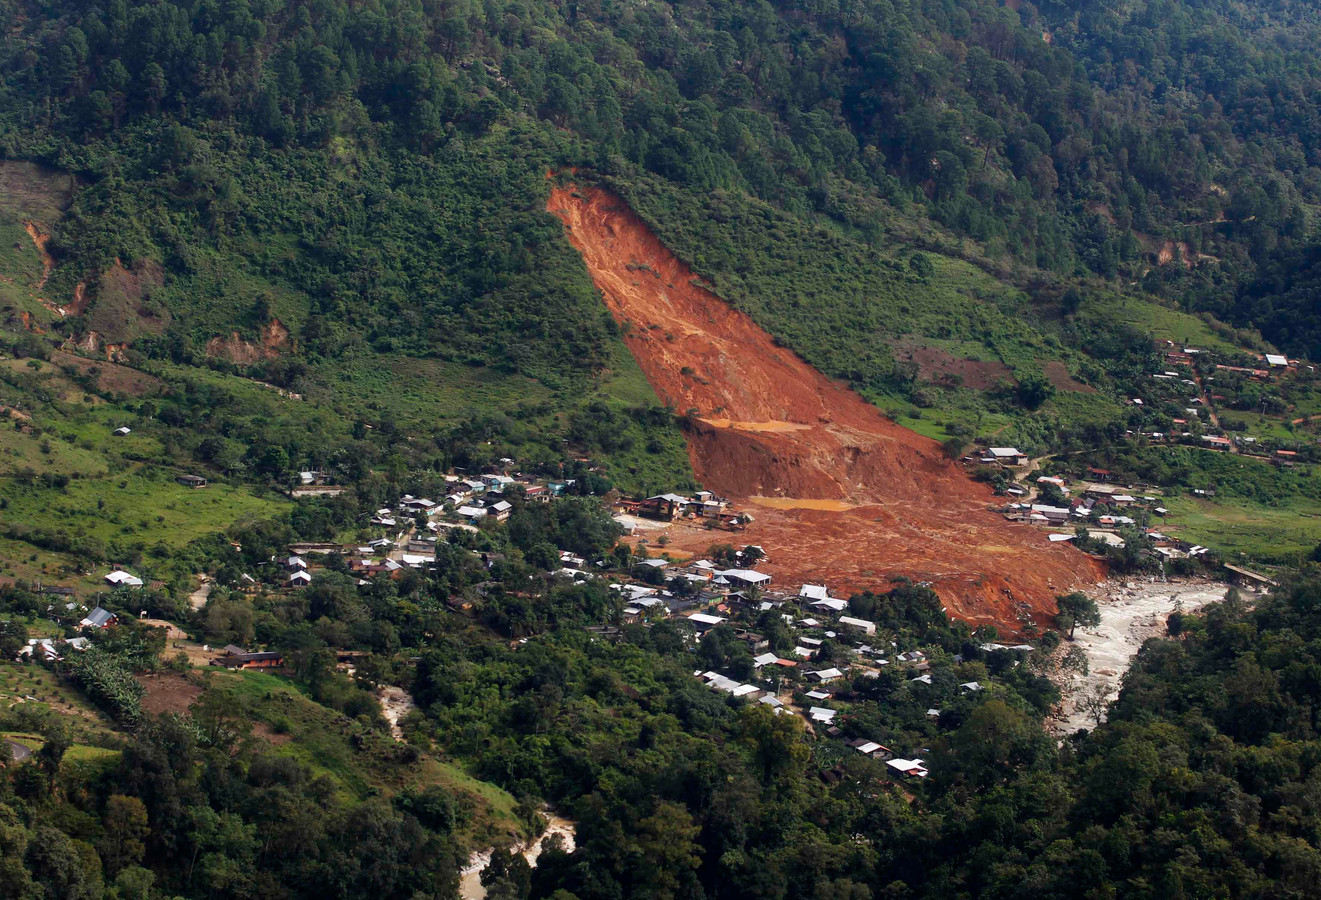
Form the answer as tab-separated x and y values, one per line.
470	880
1131	612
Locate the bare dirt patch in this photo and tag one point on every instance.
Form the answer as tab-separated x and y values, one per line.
111	377
756	426
941	367
41	240
1058	375
169	693
395	704
122	305
274	338
914	512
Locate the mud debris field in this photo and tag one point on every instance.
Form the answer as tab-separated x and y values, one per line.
840	494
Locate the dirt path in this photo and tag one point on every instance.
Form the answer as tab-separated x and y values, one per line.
1131	613
861	498
470	880
1212	416
197	599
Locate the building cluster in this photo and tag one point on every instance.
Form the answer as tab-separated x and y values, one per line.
701	505
799	685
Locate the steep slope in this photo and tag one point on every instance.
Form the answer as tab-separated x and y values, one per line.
848	496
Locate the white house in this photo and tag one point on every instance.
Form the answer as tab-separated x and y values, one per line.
911	768
120	578
1009	456
858	624
703	621
825	676
746	576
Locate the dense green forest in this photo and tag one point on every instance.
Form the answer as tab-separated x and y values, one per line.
368	173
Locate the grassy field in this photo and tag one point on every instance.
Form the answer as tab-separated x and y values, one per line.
1243	530
1259	426
1161	322
144	505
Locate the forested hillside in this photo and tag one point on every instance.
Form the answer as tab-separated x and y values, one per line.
341	151
305	244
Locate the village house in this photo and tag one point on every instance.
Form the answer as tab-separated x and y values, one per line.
821	714
745	577
99	618
704	622
47	648
1006	456
871	748
192	481
236	658
909	768
861	625
825	676
120	578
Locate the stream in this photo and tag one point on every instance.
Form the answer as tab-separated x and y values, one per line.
470	880
1131	612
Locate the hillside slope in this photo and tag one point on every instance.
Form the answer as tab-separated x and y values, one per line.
844	490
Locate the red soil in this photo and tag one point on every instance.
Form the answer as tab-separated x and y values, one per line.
900	507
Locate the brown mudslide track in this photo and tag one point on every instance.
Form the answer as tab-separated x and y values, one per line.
840	494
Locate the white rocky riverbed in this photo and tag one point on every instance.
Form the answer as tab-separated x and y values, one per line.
1131	612
470	880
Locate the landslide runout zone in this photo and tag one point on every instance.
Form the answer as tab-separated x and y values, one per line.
840	494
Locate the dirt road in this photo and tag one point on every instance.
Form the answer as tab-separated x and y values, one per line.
854	497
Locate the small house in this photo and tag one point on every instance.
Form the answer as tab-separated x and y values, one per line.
191	481
99	618
1008	456
260	660
120	578
825	676
300	578
861	625
705	622
909	768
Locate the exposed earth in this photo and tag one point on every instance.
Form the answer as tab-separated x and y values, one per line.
840	494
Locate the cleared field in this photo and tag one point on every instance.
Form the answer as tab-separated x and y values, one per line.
1268	534
140	506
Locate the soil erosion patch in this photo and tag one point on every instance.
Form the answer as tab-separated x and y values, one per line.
909	510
